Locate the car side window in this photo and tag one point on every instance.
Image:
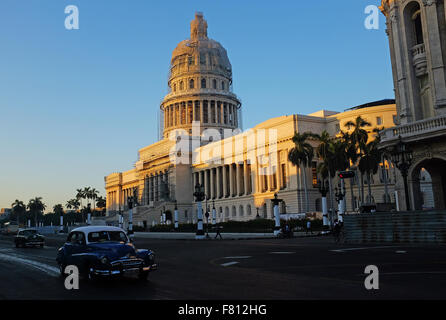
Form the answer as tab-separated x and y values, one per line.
72	238
80	238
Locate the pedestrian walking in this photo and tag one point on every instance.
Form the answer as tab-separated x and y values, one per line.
218	233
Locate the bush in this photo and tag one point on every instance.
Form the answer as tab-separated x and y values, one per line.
252	226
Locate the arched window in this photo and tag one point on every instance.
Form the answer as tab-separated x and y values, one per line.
191	84
418	28
226	212
181	85
203	83
174	87
234	211
214	84
241	213
248	210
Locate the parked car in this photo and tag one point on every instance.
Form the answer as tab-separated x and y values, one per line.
29	238
103	251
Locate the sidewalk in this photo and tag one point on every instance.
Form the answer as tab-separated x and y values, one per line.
226	236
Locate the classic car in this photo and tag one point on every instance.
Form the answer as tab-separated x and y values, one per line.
28	238
102	251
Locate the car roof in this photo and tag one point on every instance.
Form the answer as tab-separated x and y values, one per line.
96	229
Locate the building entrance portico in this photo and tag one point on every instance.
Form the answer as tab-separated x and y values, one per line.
433	169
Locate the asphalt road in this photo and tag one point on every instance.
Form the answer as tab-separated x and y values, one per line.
272	269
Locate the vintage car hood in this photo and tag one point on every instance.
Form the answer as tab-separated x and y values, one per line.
113	250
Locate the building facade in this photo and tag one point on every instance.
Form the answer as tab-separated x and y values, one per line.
417	39
203	143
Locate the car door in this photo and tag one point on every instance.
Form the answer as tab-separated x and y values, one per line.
78	249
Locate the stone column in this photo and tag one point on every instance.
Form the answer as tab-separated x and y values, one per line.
201	112
206	183
212	184
231	180
217	173
200	177
435	48
225	181
238	179
246	176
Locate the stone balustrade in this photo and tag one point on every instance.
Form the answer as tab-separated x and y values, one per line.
417	128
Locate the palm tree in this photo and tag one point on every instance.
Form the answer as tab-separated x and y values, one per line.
369	163
18	209
87	194
36	206
325	152
80	195
301	155
94	195
358	137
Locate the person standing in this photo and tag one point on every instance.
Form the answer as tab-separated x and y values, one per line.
309	227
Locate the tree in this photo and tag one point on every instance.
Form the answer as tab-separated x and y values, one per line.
369	163
94	195
18	210
301	155
358	137
325	152
80	195
36	207
58	209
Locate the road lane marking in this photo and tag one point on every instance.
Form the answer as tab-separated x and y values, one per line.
400	251
282	252
363	248
237	257
50	270
227	264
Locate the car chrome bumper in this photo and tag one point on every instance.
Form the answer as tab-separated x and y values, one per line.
100	272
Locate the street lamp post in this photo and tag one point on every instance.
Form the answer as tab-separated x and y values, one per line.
176	216
340	195
276	202
323	189
207	222
199	197
214	214
402	158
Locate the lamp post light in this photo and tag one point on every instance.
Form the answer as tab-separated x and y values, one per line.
276	202
402	158
323	189
130	203
199	197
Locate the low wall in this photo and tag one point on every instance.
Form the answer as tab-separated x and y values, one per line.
399	227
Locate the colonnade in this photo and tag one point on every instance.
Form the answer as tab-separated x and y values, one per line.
205	111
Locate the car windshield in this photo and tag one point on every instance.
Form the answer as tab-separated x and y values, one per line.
29	232
107	236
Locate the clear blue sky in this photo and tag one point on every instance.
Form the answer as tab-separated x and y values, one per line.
77	105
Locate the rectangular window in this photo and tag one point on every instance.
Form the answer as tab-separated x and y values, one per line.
283	169
379	121
274	176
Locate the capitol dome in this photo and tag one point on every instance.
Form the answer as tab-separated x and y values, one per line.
199	53
200	84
